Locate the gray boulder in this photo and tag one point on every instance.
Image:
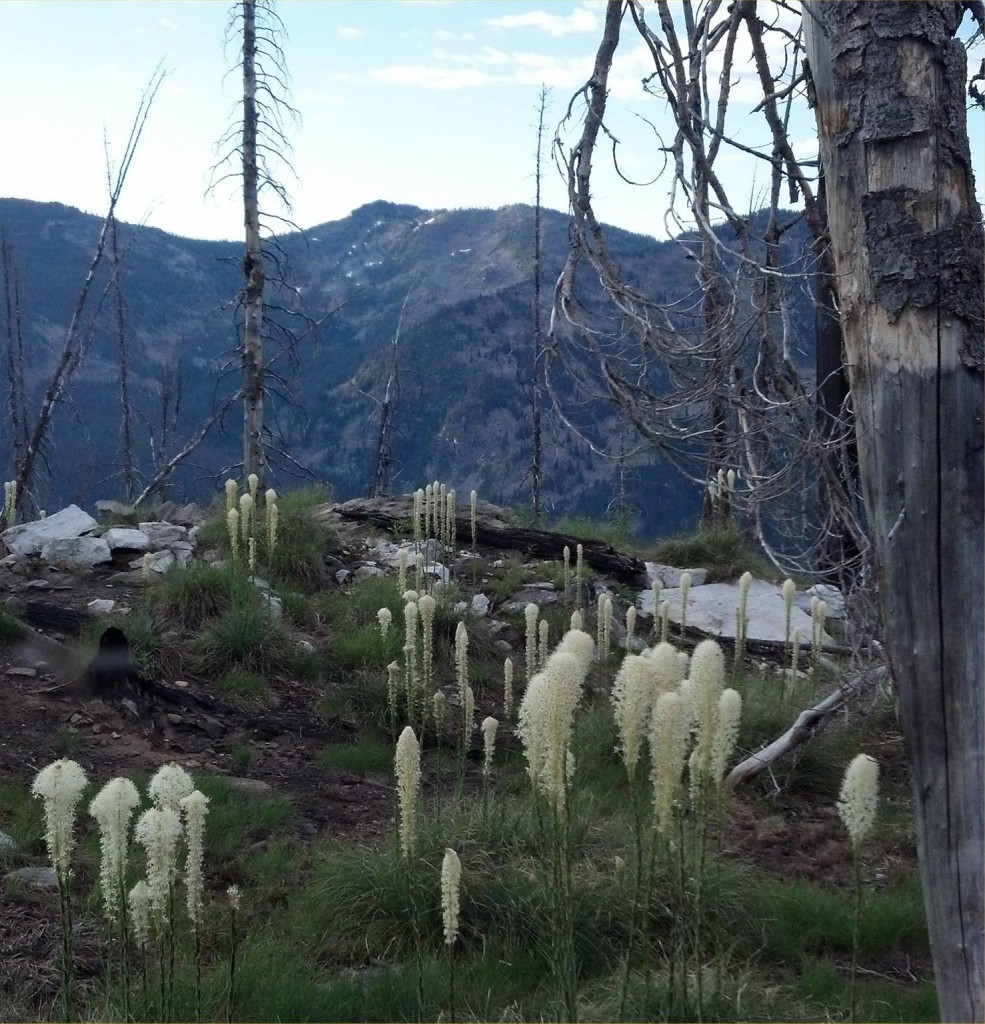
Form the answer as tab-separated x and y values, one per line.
121	537
712	607
29	538
76	552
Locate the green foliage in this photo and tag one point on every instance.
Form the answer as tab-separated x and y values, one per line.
613	531
725	553
360	647
302	540
248	638
10	628
198	593
360	757
242	684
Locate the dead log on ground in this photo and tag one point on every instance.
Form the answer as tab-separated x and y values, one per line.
394	513
807	723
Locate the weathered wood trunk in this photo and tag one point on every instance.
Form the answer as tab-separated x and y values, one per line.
907	243
252	259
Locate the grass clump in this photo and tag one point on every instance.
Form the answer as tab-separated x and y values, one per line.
724	552
248	639
242	684
197	593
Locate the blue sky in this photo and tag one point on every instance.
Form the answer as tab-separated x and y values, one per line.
429	103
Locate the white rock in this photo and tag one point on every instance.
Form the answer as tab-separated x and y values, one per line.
712	608
160	562
342	575
76	552
124	537
831	596
182	552
101	606
668	576
365	571
162	535
37	878
29	538
6	843
480	605
534	593
274	604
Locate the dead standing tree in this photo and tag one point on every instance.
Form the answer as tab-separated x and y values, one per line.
82	323
906	233
258	145
709	380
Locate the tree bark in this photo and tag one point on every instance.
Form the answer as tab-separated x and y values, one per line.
907	242
252	259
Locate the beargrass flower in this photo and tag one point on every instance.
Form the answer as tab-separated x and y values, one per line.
384	616
473	500
665	666
488	727
418	521
633	692
407	765
245	515
581	645
859	797
543	640
139	905
272	516
451	881
440	709
726	732
603	616
112	807
232	489
468	712
158	832
685	590
507	688
630	623
170	783
462	658
670	728
546	719
194	806
60	786
402	570
233	895
707	676
530	613
232	522
577	620
253	482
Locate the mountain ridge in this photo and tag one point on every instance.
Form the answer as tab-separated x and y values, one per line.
457	282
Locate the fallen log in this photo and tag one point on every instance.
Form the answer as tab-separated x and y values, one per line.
395	513
807	723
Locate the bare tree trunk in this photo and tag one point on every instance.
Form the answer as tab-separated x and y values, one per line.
384	444
126	414
252	260
536	390
907	242
14	353
839	549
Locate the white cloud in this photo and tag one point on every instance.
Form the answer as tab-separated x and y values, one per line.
580	20
423	77
487	55
347	32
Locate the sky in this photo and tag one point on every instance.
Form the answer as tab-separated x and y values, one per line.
427	102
